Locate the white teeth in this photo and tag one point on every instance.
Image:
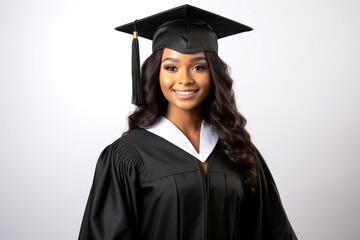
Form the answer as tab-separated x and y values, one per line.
185	93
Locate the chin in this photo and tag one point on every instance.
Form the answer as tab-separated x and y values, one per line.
186	106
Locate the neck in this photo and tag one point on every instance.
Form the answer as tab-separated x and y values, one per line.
188	121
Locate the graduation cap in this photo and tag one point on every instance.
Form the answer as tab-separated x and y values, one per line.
185	29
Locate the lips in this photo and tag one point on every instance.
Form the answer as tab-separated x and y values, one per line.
184	94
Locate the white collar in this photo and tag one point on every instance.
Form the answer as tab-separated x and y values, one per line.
167	130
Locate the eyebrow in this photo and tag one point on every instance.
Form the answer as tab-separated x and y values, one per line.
171	59
198	59
191	60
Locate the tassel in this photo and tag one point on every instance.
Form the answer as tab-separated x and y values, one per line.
137	95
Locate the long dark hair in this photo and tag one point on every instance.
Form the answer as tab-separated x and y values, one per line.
218	109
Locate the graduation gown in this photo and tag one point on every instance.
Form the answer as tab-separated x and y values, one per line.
147	188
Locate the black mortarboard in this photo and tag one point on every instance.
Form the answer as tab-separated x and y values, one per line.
185	29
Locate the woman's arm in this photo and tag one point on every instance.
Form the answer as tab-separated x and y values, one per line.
267	216
111	211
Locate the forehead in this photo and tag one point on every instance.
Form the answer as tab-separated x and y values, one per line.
169	53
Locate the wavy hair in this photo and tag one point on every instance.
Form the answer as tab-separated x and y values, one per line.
218	109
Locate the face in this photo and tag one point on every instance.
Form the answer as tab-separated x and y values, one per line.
184	79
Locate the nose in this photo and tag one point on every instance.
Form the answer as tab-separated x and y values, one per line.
185	78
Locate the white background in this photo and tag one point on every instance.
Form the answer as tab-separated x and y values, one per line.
65	94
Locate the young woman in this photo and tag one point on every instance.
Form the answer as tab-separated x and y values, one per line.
186	168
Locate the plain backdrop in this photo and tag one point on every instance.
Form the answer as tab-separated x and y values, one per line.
65	94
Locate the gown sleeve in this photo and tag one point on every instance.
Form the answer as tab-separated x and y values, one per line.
111	211
267	216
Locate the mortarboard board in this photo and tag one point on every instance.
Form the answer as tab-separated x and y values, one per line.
185	29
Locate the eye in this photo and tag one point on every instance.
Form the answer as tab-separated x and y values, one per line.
198	67
170	68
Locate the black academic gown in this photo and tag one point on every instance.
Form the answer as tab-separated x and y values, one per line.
148	188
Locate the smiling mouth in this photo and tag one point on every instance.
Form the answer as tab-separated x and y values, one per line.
184	94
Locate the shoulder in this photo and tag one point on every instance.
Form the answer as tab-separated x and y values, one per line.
123	154
122	148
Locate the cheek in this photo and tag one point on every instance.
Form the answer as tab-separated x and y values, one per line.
165	83
206	84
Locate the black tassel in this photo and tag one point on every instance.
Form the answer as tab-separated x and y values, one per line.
137	95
